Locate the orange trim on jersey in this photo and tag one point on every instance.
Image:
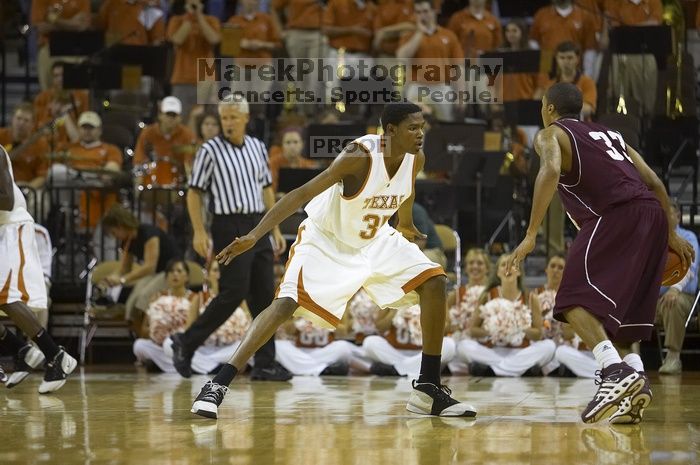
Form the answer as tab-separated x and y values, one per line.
20	278
5	291
305	300
421	278
369	173
289	258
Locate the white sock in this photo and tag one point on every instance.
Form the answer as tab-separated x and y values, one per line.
635	361
606	354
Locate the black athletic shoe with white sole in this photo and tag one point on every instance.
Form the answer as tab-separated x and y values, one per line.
631	408
27	359
430	399
210	397
617	382
182	358
57	370
3	376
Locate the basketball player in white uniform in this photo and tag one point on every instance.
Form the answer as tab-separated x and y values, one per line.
346	244
22	285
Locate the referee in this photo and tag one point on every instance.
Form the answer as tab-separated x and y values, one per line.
233	169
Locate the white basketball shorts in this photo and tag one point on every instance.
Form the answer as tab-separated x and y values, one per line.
21	275
322	273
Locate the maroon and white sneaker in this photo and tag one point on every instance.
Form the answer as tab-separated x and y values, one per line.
631	409
617	382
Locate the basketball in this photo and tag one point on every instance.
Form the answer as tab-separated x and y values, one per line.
674	270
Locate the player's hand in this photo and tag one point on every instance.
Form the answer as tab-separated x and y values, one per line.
410	232
235	248
682	248
202	244
519	254
279	243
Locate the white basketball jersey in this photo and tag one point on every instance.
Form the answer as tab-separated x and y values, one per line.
19	213
356	220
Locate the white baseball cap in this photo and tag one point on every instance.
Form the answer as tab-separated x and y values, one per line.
171	105
90	118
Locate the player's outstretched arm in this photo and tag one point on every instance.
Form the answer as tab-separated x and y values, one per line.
7	193
405	223
349	163
675	242
548	148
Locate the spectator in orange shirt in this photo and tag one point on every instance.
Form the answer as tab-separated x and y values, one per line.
194	36
302	36
517	86
165	149
30	163
348	25
477	29
48	16
62	106
90	153
393	18
259	37
132	22
431	45
567	70
564	21
633	78
289	155
302	28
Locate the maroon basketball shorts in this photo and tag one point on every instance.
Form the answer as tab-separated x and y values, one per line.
614	269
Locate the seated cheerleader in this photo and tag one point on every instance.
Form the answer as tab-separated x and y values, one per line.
461	305
506	331
305	349
176	308
571	351
398	351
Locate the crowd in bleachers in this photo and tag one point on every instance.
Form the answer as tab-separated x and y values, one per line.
88	150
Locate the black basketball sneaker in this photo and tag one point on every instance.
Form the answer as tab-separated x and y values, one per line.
631	408
210	397
617	382
431	399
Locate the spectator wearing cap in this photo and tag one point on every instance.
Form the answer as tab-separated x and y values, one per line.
167	146
93	155
194	36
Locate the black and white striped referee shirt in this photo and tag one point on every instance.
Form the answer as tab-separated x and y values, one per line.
234	175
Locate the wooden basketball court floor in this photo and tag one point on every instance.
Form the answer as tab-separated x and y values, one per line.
141	418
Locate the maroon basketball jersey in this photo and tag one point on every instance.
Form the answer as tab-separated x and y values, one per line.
602	174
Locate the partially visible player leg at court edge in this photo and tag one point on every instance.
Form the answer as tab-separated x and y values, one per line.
624	389
428	396
60	364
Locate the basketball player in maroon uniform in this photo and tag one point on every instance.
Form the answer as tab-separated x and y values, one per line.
613	272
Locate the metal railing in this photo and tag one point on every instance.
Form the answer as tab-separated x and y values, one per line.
73	217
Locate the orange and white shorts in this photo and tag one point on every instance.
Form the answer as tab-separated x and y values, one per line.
323	274
21	275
